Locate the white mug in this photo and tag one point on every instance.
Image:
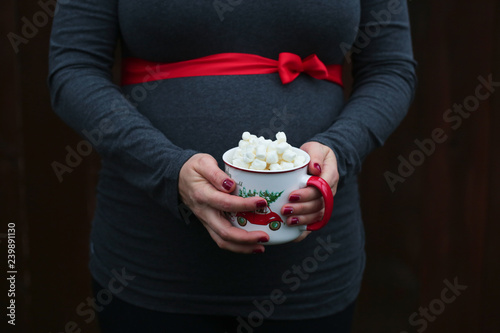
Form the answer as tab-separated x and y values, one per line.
275	187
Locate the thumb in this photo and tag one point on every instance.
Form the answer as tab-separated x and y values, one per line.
317	155
208	168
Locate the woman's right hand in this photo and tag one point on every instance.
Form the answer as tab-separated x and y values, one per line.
205	189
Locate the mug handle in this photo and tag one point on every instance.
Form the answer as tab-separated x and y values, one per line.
326	192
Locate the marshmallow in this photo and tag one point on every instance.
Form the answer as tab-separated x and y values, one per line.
246	136
275	166
286	165
272	146
299	160
280	137
289	155
261	152
238	162
243	144
272	157
238	153
248	157
253	140
258	165
281	147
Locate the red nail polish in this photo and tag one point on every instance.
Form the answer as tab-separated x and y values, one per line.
294	221
261	204
257	251
263	240
317	166
227	184
294	198
288	210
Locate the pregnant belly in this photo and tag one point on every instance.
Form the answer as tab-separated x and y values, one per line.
209	114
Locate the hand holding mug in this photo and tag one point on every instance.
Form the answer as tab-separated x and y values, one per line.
306	204
205	189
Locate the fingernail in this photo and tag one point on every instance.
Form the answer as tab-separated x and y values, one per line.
294	221
294	198
263	240
258	251
288	210
261	204
317	166
227	184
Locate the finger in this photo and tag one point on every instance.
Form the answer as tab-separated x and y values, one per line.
304	194
303	208
231	238
317	154
207	167
229	233
227	202
236	247
323	163
329	170
305	219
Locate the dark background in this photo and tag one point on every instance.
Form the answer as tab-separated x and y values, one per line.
440	224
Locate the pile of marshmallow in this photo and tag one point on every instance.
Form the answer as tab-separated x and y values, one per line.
257	153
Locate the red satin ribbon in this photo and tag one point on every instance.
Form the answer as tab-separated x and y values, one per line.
288	65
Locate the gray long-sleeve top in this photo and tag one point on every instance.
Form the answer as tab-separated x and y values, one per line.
145	132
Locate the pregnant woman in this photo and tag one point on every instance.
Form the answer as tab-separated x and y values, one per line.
197	74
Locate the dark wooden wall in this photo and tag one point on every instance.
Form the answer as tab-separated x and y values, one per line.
440	224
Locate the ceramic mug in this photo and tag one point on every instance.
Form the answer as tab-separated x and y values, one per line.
275	187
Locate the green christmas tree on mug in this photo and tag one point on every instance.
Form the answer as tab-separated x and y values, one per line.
270	197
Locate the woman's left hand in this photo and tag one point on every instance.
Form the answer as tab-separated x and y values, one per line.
306	205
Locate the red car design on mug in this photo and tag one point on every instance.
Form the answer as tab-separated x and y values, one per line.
263	216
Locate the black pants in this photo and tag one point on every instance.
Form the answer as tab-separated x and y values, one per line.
121	317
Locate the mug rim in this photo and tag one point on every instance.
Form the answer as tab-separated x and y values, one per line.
308	159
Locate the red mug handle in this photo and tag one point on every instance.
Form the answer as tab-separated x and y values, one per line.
327	194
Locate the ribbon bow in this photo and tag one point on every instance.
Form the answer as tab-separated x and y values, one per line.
288	66
291	65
